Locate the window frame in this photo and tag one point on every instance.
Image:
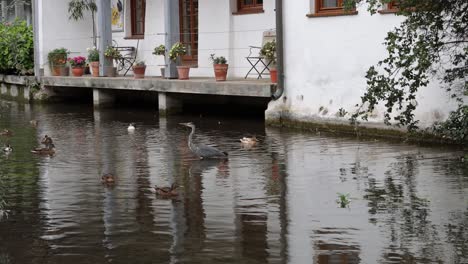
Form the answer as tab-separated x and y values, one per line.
392	8
253	8
331	11
133	21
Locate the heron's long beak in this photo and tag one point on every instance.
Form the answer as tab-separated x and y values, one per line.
184	124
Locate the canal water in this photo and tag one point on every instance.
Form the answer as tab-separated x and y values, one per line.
275	202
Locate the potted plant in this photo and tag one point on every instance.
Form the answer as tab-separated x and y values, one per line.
57	60
77	64
268	51
93	58
177	50
139	70
161	51
220	67
113	54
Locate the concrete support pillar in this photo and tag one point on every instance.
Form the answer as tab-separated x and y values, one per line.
168	104
102	98
104	32
171	24
19	10
35	23
4	11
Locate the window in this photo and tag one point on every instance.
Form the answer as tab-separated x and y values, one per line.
392	7
249	6
330	8
138	8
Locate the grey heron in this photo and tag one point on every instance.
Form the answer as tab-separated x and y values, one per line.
203	151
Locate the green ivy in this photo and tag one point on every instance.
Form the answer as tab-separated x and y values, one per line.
430	43
16	48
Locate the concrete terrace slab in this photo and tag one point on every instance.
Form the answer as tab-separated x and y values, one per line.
237	87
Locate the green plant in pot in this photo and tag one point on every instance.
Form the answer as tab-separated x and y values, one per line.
220	67
268	51
93	59
176	51
57	60
139	70
160	51
112	53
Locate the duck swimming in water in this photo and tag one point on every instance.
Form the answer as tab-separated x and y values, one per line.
33	123
47	140
7	148
49	150
6	132
131	127
167	191
249	141
108	178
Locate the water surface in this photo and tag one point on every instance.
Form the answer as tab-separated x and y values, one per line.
275	202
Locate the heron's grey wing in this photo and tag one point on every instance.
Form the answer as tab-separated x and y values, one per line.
208	151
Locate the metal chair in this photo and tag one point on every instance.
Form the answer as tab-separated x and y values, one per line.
128	58
258	64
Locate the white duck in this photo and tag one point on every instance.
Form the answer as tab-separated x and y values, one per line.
131	127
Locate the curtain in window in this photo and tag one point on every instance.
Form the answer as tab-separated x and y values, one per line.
329	3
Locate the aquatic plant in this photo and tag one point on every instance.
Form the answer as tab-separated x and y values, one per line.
343	200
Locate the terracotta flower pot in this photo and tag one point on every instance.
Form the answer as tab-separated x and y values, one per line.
220	71
274	75
110	71
64	71
77	71
56	70
183	72
94	68
139	71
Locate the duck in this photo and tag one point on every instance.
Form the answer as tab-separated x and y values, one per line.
7	148
167	191
47	140
49	150
6	132
108	178
131	127
33	123
249	141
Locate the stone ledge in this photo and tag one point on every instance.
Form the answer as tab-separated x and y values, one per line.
192	86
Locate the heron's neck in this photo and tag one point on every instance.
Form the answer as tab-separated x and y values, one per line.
190	140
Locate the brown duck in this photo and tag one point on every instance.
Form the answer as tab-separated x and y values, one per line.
47	141
49	150
167	191
6	132
108	178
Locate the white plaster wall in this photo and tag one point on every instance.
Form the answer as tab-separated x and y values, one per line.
220	32
56	31
326	59
154	36
229	35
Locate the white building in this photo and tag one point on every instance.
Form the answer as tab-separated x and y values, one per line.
326	51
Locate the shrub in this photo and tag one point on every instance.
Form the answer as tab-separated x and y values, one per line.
160	50
218	60
16	48
58	56
177	50
93	54
269	51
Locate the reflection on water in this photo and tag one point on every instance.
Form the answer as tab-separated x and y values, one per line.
274	202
